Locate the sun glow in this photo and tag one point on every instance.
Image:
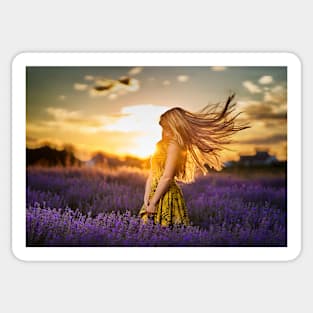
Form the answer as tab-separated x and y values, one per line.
145	146
143	120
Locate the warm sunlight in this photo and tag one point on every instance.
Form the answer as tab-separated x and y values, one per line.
144	120
145	145
124	120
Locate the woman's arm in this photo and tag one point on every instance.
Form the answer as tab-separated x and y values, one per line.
173	154
148	188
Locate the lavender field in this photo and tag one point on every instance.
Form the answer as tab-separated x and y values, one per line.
95	207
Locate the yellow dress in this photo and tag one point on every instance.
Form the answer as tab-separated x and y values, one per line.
171	207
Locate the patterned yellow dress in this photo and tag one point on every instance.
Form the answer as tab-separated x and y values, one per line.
171	207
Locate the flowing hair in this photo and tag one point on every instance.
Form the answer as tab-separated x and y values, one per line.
202	135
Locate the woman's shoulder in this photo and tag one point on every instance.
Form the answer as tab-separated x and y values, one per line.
172	142
166	142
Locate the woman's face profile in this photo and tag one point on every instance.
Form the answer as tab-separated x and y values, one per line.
166	132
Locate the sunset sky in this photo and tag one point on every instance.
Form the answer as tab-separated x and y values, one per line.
117	109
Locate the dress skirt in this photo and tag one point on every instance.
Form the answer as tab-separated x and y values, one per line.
170	209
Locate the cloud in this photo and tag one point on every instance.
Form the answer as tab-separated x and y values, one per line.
138	118
89	77
272	107
182	78
265	80
265	118
127	83
96	93
252	88
104	87
134	130
60	113
265	140
118	115
263	111
65	120
273	123
218	68
277	94
112	96
80	87
135	71
112	88
248	102
121	92
62	97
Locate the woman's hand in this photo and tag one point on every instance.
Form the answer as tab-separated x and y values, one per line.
151	209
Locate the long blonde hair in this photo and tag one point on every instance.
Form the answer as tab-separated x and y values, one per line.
202	136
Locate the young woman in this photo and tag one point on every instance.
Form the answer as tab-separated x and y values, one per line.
189	141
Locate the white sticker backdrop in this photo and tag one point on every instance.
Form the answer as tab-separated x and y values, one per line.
140	286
